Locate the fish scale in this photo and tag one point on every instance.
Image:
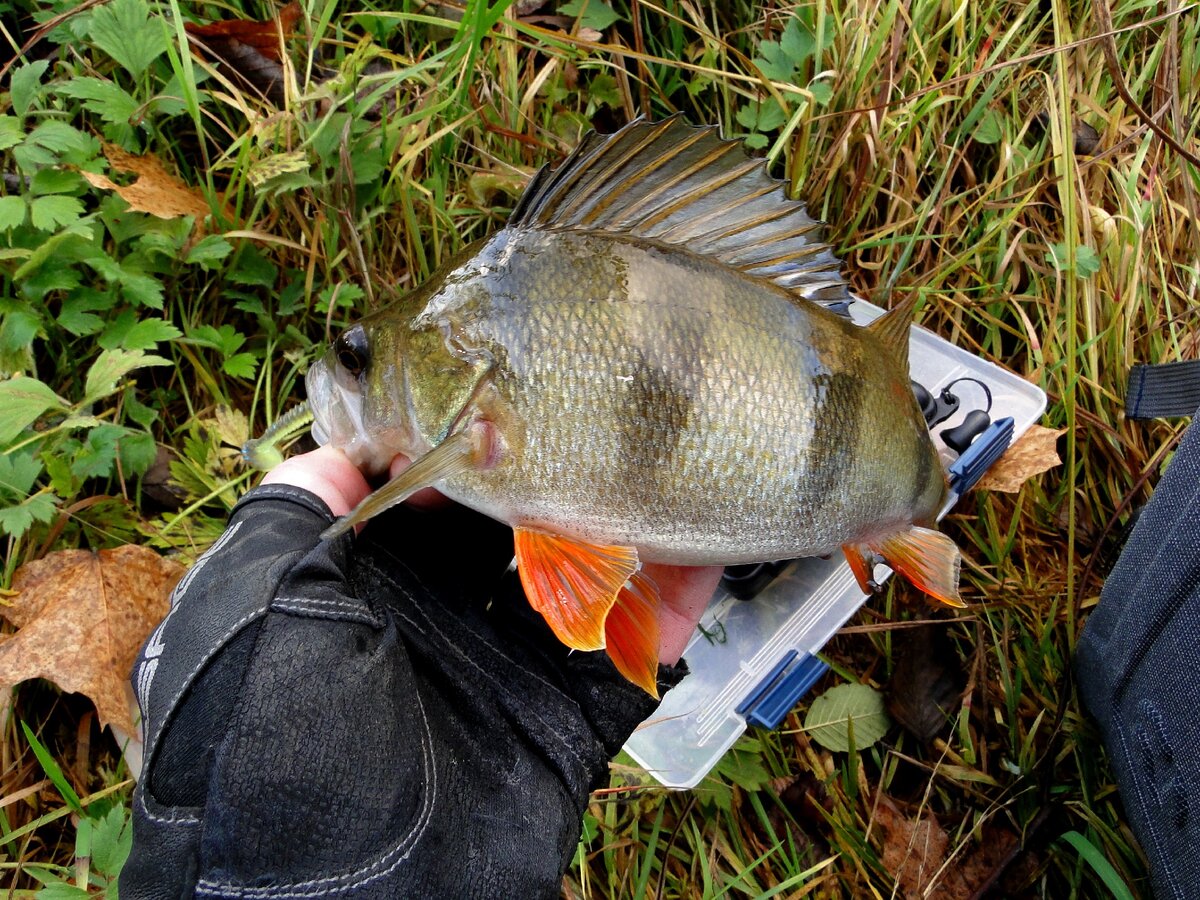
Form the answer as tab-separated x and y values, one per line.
642	367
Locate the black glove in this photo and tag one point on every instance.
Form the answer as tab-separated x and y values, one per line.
381	716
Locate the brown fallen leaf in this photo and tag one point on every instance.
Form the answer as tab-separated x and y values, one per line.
155	191
263	35
82	617
1033	454
250	49
918	854
914	851
928	681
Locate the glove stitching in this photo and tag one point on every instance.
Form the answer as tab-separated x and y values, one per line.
359	877
462	622
486	644
499	687
317	609
187	681
305	498
166	819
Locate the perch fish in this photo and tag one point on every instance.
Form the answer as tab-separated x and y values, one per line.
643	365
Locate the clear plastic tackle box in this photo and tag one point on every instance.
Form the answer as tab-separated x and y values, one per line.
751	660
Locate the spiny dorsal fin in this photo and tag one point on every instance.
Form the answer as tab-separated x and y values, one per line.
893	326
672	183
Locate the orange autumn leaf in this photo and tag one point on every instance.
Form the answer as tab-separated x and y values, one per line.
81	619
1034	453
155	191
262	35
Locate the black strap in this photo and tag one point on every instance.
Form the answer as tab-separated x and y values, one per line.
1164	390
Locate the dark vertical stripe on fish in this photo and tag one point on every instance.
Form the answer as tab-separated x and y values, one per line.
839	405
925	472
658	412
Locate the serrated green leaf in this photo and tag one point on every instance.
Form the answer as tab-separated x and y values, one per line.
822	92
591	13
209	250
12	213
55	142
22	400
136	411
240	365
97	455
55	181
112	836
107	100
113	365
18	519
77	314
58	470
54	212
12	132
828	717
142	290
797	41
762	115
25	84
18	471
990	127
136	451
253	269
126	331
774	63
124	30
1087	262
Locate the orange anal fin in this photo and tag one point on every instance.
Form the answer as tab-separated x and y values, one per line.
928	559
862	566
572	583
632	632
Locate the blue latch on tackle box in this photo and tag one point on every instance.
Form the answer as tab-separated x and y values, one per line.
752	660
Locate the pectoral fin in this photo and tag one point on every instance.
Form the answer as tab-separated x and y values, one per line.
863	567
632	632
572	583
464	451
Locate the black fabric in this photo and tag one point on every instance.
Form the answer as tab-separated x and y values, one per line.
1161	391
1138	666
373	717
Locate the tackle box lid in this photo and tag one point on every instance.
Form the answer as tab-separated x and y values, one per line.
752	660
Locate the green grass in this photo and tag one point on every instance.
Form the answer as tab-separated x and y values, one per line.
912	129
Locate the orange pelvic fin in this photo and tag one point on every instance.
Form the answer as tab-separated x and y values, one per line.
572	583
632	632
928	559
861	564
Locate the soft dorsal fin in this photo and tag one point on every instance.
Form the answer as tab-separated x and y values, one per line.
892	329
676	184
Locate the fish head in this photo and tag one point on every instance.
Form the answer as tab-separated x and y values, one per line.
396	382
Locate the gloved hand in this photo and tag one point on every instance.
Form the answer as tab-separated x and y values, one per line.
373	716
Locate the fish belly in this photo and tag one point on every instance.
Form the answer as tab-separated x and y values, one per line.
652	398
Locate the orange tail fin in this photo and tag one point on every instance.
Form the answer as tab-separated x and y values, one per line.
572	583
632	632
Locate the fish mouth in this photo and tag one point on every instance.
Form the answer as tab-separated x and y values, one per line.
337	407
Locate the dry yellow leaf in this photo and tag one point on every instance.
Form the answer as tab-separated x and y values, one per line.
1033	454
82	617
155	191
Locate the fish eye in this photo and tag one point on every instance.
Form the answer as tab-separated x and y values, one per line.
350	350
